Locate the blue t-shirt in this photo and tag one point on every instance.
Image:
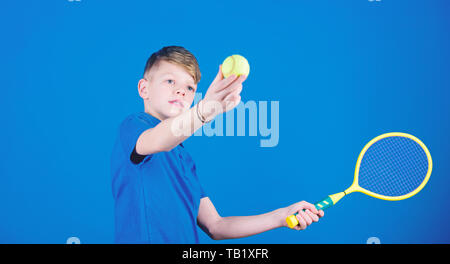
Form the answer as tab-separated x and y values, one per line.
157	199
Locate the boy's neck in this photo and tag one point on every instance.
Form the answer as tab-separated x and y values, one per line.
150	111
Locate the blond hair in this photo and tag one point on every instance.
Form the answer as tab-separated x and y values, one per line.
177	55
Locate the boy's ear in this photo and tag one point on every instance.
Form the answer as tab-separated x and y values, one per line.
143	88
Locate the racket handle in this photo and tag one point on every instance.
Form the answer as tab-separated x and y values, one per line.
322	205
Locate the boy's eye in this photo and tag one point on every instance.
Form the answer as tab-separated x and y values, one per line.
190	88
170	81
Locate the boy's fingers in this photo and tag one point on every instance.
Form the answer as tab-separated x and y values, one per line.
242	78
301	222
306	214
231	80
313	216
321	213
219	75
238	100
310	207
231	101
231	97
222	84
235	88
306	217
238	89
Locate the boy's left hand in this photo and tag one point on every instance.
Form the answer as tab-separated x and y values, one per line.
306	214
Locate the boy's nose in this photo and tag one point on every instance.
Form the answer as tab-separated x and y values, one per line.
181	92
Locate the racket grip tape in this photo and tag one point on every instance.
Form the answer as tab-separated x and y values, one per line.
322	205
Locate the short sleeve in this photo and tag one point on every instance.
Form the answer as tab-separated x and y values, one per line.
201	189
130	130
202	192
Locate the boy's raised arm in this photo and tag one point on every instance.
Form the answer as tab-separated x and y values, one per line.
222	95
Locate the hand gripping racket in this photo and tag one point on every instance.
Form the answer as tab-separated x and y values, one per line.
392	166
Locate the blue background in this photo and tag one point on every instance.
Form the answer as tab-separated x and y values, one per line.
343	72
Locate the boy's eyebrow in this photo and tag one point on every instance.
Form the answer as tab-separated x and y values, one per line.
167	73
189	82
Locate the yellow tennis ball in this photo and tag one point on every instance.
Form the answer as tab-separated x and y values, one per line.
235	64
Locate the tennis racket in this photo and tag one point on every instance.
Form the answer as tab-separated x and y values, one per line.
392	166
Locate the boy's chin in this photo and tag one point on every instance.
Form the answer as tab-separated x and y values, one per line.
175	113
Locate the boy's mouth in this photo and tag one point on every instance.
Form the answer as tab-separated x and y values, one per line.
177	103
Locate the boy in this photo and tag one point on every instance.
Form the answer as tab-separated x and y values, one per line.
158	196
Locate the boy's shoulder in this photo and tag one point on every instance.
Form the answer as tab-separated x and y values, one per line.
140	117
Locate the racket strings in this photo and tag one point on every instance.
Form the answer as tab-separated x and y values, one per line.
393	166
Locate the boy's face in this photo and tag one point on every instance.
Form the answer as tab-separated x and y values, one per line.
167	89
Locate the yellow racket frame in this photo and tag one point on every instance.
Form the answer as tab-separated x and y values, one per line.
355	186
334	198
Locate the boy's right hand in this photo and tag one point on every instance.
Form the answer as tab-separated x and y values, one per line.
222	95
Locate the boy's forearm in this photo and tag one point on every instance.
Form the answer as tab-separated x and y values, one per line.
181	127
243	226
170	132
